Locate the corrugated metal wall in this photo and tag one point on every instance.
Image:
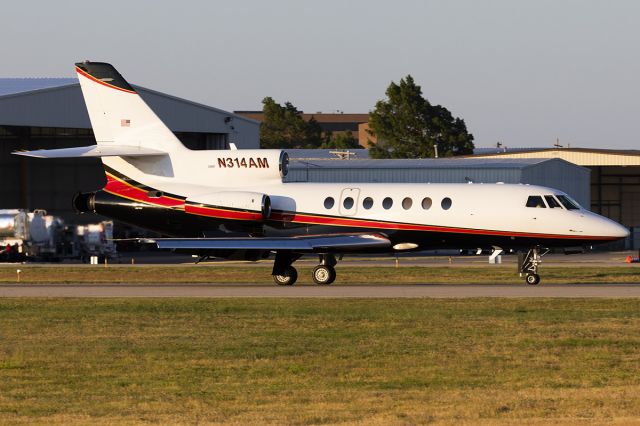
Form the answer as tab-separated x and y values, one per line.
556	173
582	157
398	174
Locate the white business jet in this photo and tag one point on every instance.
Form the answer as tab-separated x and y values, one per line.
234	204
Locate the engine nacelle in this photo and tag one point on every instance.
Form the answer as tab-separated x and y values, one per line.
232	205
84	202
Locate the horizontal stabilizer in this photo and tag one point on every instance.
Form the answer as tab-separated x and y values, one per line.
309	243
93	151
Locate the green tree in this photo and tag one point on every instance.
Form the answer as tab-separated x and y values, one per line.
283	127
406	125
342	140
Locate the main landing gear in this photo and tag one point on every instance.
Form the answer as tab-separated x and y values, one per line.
285	274
325	273
528	264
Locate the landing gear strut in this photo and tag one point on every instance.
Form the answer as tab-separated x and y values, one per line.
325	273
528	264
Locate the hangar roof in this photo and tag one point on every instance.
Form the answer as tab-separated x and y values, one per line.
17	105
11	86
326	154
58	102
579	156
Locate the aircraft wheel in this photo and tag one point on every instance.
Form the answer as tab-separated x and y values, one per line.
533	279
324	274
288	278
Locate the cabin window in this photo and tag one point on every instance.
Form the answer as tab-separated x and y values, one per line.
387	203
348	203
446	203
535	201
552	202
329	202
367	203
568	203
426	203
407	203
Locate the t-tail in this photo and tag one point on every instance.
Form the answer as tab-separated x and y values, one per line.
118	114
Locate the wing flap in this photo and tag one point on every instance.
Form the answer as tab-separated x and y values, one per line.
311	243
93	151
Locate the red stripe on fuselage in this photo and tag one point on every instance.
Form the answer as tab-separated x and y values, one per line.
218	213
366	223
90	77
121	188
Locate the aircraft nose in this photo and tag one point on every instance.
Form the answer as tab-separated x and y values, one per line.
606	227
618	231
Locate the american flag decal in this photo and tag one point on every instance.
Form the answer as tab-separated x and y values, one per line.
125	123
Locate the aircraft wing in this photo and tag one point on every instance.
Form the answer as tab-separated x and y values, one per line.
93	151
307	243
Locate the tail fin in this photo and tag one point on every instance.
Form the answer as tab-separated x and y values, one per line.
118	114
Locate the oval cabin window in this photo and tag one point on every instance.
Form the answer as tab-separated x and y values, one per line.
426	203
367	203
446	203
328	203
387	203
348	203
407	203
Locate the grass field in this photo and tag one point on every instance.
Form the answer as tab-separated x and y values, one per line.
482	361
346	275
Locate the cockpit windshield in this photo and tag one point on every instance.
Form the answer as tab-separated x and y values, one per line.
536	201
552	202
568	202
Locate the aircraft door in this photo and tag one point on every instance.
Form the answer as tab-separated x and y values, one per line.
349	201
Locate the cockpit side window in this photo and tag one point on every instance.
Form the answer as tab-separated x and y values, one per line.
568	203
536	202
552	202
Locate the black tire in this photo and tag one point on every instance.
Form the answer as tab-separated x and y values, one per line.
289	277
323	274
532	279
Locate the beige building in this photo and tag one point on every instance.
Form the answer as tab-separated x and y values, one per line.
615	178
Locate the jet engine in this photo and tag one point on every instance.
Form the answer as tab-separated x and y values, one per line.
84	202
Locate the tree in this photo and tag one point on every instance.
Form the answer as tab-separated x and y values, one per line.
284	128
342	140
406	125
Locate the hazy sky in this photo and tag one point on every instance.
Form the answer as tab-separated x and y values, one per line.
523	73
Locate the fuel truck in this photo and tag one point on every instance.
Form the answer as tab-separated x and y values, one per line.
37	236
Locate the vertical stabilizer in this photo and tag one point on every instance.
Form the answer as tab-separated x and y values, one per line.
117	112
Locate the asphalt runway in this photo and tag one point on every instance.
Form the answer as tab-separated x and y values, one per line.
339	291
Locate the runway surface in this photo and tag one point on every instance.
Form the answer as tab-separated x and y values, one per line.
339	291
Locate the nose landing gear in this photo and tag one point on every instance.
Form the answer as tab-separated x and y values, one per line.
528	264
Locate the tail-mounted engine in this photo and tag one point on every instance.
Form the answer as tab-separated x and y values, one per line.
84	202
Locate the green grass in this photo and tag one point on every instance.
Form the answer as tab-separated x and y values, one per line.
319	361
346	275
